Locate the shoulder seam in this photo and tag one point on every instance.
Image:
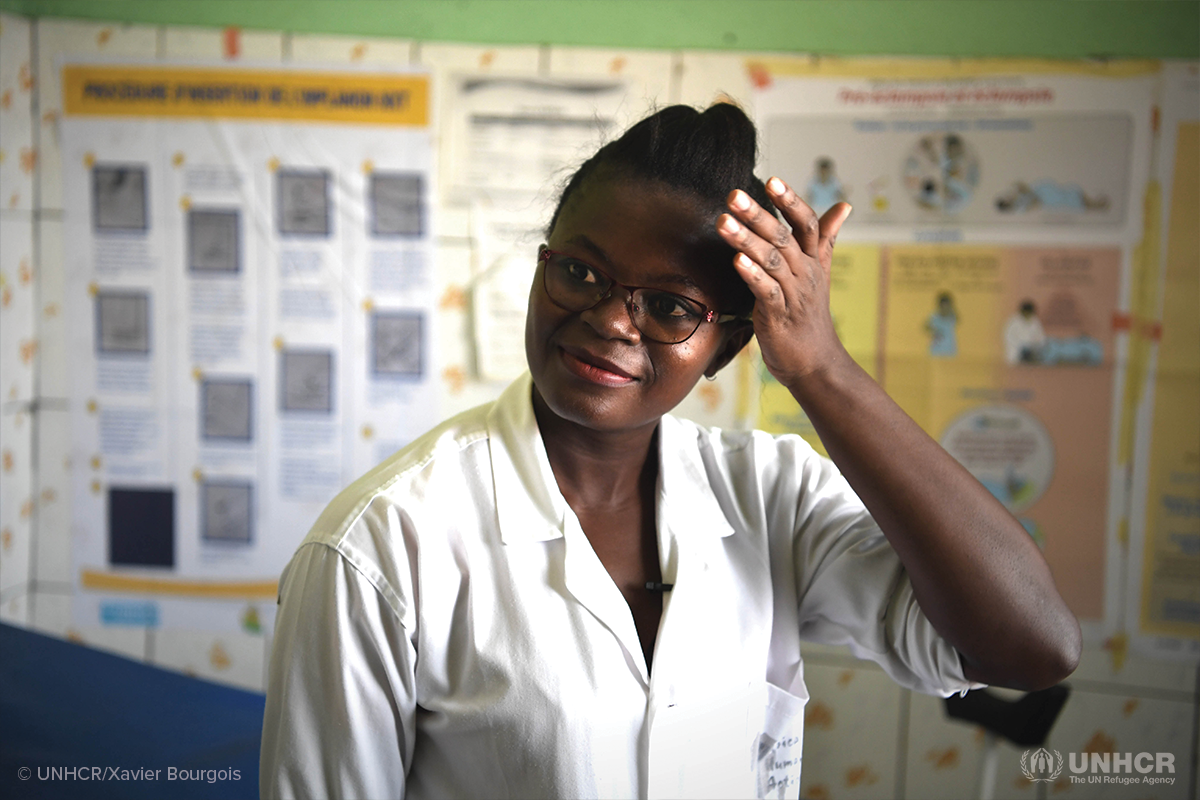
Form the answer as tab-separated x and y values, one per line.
357	511
389	593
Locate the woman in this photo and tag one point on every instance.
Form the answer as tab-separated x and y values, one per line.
942	327
570	593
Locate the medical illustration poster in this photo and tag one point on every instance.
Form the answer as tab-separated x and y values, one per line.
981	171
1006	356
984	276
249	294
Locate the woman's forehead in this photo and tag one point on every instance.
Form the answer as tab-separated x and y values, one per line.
627	217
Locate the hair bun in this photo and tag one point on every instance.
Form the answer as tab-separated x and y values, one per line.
705	153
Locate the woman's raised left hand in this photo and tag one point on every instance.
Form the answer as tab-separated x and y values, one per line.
976	573
786	265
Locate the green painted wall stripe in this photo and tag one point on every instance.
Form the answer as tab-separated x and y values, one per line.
1030	28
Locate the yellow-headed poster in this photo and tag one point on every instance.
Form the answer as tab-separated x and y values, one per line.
997	207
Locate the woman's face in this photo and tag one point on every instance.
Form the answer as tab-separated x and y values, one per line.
593	367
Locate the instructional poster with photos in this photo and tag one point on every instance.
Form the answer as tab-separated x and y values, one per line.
984	277
250	301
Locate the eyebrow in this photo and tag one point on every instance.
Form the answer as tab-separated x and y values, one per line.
677	279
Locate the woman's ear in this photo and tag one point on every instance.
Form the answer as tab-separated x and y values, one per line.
738	337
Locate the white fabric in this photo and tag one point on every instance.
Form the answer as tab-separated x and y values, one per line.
1021	334
446	629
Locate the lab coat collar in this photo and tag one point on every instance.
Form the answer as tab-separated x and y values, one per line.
529	505
687	497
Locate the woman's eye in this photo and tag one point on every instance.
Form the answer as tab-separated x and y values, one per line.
669	305
580	272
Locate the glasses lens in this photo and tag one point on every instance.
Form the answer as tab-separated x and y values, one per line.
574	285
664	316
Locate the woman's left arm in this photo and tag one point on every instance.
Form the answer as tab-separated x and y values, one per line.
977	574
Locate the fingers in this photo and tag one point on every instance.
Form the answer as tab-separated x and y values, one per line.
752	243
813	236
771	252
830	225
761	236
766	289
805	225
755	261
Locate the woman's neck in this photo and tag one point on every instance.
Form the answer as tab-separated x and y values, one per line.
598	469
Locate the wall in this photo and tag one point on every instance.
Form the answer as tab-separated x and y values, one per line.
865	737
1053	28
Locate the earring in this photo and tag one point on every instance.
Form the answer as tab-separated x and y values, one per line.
712	377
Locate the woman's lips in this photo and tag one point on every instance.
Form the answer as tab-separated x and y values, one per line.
595	369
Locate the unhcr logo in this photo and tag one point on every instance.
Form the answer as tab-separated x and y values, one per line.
1040	765
1044	765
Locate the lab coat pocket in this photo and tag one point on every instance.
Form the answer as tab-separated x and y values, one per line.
781	743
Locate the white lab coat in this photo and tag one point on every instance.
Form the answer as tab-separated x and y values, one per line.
1023	336
446	629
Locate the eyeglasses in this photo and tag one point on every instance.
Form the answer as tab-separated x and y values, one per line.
659	315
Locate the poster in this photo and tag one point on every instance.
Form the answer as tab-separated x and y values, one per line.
509	137
984	277
249	293
511	142
1163	611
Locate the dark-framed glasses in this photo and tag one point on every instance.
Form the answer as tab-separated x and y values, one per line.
659	315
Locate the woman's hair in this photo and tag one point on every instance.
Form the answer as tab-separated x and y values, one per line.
706	154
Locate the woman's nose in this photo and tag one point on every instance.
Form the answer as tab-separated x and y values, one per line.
612	317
